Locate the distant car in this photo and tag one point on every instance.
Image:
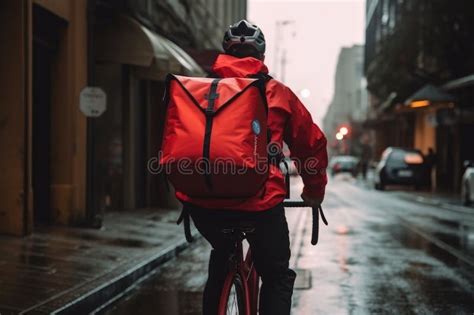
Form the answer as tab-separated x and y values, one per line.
401	166
468	183
344	164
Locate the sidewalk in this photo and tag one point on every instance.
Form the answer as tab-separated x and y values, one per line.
74	270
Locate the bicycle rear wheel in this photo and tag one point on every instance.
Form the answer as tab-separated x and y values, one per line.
233	297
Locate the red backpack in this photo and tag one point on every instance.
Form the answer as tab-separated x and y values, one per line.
215	137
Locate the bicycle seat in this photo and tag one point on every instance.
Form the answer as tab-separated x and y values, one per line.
240	229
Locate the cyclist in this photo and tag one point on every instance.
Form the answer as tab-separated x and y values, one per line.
289	121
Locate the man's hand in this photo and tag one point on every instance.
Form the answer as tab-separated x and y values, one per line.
313	202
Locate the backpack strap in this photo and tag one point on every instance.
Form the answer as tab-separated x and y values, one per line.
264	76
275	154
184	217
211	99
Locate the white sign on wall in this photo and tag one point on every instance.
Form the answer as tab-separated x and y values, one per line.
93	101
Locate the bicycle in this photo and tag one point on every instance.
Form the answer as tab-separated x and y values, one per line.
239	294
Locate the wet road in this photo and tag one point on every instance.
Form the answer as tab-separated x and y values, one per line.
379	255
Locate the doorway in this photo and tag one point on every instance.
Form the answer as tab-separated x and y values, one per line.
46	28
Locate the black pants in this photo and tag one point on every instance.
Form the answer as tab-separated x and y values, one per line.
270	247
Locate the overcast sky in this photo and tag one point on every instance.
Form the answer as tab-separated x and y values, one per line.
312	42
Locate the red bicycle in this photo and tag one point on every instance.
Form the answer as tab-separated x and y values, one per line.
239	294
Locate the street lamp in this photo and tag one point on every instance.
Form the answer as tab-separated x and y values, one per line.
339	136
305	93
344	131
280	24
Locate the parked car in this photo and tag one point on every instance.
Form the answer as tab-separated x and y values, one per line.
344	164
468	183
401	166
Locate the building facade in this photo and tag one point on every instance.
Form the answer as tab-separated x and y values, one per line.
414	49
42	134
136	43
60	167
348	107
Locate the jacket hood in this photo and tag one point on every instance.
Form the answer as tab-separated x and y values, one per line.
227	66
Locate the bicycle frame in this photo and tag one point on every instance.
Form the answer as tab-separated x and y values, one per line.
245	269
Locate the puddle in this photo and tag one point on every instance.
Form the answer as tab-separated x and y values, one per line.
456	234
458	261
129	242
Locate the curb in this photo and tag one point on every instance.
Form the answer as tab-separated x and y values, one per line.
90	296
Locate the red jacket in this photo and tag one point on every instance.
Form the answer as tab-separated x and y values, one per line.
289	121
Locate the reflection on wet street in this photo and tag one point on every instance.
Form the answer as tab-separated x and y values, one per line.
175	288
379	255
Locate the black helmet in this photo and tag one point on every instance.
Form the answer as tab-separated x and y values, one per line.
243	39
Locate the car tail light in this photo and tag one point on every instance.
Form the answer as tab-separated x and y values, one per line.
337	167
413	158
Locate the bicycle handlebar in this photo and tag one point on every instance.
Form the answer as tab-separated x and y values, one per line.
315	211
294	204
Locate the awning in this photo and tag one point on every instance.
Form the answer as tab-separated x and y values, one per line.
124	40
460	83
431	94
387	103
205	57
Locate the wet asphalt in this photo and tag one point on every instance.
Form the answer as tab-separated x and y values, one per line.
380	254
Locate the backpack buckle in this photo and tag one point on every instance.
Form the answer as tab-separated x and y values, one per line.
209	112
